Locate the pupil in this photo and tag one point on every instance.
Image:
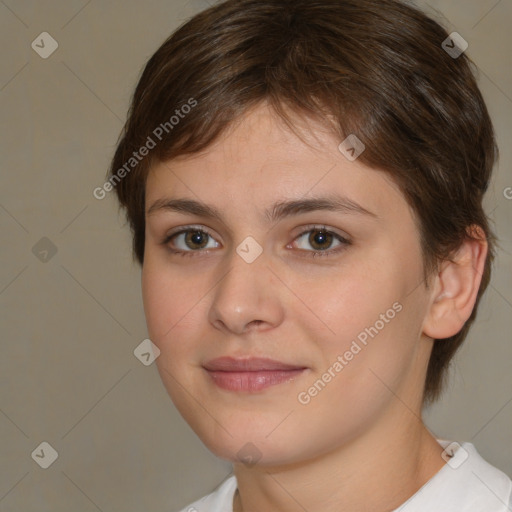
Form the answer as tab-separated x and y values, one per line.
320	238
196	238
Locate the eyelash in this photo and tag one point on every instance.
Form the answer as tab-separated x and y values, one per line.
312	254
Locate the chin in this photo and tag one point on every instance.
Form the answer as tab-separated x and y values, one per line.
251	444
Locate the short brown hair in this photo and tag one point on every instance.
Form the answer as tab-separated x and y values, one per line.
377	67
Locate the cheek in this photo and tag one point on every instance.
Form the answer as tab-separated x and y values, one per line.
357	381
171	309
351	300
158	305
176	309
373	333
169	299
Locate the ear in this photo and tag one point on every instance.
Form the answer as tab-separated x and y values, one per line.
455	287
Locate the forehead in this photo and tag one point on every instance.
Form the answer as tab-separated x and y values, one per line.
258	160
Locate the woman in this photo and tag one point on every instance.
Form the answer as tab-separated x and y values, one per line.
304	183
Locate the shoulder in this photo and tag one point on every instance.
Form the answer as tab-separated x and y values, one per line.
466	483
489	488
220	500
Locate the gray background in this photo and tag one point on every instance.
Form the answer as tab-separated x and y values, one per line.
71	323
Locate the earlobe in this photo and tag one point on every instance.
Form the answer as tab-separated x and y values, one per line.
456	286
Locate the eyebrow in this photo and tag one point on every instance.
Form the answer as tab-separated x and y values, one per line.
276	212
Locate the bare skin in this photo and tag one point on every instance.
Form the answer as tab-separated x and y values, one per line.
359	443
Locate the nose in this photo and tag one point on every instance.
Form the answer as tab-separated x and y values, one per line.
247	298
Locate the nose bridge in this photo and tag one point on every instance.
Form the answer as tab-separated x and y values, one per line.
246	294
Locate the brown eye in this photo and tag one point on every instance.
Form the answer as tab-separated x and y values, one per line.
196	239
190	241
320	240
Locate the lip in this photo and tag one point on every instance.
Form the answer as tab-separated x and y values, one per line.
250	374
249	364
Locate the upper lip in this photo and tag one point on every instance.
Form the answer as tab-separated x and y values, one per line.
251	364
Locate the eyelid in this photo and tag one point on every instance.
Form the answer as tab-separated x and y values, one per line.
343	239
185	229
304	230
321	227
188	227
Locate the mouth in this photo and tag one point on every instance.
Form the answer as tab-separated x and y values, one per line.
250	374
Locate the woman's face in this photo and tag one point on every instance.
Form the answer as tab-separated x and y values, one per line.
333	296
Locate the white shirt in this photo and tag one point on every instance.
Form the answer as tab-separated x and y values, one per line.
466	483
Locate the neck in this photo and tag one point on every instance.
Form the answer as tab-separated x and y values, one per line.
358	476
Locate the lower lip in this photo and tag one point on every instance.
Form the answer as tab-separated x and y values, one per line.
252	381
